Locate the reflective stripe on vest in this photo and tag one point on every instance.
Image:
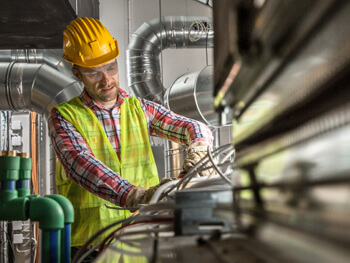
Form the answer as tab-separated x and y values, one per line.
136	164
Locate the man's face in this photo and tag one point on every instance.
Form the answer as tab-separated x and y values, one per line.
102	82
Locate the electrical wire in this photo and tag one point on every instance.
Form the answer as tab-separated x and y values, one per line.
31	240
119	208
93	249
101	245
193	171
87	253
160	190
157	207
153	220
119	236
97	234
218	170
125	222
11	246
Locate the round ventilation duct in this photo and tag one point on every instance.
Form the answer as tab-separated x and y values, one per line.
191	95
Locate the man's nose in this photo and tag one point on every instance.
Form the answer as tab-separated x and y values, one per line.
106	78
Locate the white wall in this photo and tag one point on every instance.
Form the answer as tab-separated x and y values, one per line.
114	16
123	17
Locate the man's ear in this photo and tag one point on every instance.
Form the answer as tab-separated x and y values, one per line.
77	74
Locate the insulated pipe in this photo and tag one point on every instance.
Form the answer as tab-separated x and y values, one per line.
34	87
143	63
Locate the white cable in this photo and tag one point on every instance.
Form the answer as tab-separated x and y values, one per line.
160	190
217	168
194	170
156	208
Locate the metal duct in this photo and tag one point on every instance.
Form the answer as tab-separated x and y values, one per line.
51	57
143	63
34	87
191	95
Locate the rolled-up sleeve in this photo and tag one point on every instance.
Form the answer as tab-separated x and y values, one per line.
169	125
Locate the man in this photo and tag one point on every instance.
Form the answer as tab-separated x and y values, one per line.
101	138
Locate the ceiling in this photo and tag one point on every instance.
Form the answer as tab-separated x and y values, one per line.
38	24
35	24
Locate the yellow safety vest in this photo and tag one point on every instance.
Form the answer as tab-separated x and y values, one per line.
136	164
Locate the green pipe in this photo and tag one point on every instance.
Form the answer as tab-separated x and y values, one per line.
66	205
9	174
11	207
68	211
25	174
47	212
15	209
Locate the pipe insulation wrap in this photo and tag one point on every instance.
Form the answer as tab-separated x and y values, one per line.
143	63
34	87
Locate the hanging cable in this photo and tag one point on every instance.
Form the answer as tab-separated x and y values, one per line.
193	171
97	234
217	168
124	222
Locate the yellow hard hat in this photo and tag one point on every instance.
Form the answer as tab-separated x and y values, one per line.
87	43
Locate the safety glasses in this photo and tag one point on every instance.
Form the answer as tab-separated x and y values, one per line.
97	74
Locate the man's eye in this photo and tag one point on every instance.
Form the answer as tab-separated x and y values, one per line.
93	74
112	68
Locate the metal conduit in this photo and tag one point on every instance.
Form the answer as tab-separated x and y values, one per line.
143	63
34	87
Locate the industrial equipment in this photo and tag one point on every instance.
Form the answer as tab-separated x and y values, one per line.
280	190
281	74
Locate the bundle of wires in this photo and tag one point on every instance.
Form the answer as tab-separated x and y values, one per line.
145	214
122	224
203	165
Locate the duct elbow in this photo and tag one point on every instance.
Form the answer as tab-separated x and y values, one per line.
34	87
143	64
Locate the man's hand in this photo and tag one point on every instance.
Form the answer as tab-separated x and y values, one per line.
195	153
140	195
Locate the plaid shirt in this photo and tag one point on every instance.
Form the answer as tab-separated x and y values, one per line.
80	163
